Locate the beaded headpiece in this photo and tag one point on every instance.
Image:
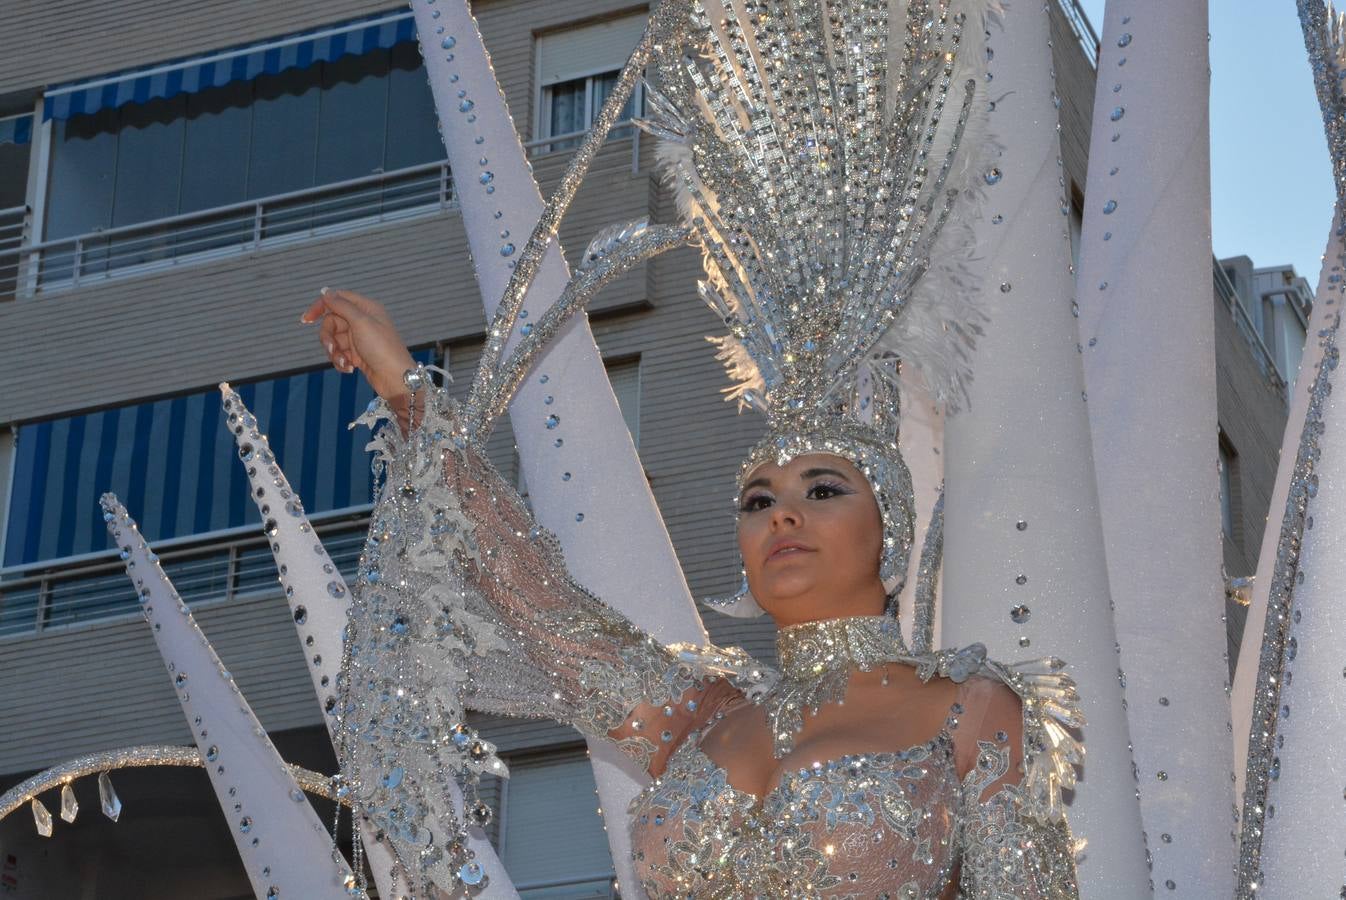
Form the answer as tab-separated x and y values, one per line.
827	155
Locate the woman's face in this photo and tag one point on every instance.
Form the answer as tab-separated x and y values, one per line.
810	534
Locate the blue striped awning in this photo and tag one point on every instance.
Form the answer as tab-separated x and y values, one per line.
198	73
16	130
174	464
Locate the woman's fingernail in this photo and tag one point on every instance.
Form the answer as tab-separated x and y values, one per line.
341	362
329	347
324	290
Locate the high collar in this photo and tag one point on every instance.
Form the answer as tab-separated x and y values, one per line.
811	650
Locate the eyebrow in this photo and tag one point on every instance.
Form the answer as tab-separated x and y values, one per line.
803	476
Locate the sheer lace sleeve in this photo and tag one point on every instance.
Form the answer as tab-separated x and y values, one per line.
1009	848
1013	742
523	638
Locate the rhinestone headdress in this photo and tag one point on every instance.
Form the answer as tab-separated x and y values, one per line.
828	155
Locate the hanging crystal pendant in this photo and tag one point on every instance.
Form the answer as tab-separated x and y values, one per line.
111	803
69	805
42	818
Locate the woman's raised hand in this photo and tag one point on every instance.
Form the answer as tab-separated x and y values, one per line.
357	333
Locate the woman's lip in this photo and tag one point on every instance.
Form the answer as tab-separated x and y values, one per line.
788	548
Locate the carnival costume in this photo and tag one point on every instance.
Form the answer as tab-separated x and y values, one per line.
830	183
842	267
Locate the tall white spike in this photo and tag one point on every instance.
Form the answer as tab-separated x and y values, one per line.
1025	570
320	603
1148	341
285	848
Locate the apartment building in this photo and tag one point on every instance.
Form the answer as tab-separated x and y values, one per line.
176	182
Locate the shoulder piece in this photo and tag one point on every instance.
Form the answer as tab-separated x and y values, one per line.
1051	707
752	677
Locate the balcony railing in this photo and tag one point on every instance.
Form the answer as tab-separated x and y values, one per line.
1083	28
570	140
1224	290
223	567
225	231
14	224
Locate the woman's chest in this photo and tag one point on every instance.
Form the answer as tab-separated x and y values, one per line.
857	825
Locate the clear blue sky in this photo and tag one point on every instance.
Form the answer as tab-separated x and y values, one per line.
1271	181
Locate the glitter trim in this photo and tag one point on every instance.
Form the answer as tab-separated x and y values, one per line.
137	758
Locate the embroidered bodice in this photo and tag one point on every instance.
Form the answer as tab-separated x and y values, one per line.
892	824
469	603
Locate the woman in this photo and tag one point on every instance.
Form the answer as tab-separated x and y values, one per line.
898	783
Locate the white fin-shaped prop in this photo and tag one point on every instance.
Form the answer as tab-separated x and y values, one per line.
284	846
320	603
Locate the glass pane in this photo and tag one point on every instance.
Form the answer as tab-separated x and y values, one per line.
79	194
215	163
413	133
149	160
18	609
149	176
603	86
14	174
284	132
565	104
351	119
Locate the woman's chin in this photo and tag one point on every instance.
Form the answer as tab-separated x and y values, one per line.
788	599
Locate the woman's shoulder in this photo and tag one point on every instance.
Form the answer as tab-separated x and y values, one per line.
1031	707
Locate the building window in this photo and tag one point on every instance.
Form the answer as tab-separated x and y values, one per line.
1228	483
577	71
173	463
197	154
544	860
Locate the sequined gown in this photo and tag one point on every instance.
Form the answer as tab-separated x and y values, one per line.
458	555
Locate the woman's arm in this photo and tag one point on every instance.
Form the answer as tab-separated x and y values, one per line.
542	644
512	632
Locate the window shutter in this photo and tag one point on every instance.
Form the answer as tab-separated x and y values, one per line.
580	52
625	379
554	845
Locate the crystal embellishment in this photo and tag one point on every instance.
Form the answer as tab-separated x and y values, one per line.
42	818
107	797
69	805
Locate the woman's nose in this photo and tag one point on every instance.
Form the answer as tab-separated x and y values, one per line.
785	513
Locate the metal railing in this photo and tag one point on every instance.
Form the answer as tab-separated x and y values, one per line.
228	230
1083	28
14	225
1224	290
228	566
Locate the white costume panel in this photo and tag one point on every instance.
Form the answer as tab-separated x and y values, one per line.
1024	566
1147	333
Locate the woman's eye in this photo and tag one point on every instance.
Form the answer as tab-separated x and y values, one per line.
754	503
824	491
